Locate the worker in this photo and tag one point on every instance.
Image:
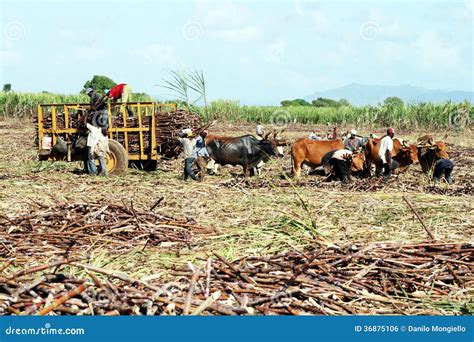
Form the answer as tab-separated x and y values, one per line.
97	147
335	133
341	164
314	136
353	142
123	92
98	108
200	154
259	130
443	167
440	162
188	142
385	154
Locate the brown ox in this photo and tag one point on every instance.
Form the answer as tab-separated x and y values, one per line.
311	152
430	153
358	162
403	154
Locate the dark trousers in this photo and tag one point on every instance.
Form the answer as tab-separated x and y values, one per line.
388	168
188	168
443	166
341	169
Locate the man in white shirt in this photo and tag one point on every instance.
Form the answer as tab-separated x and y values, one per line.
259	130
314	136
341	164
97	147
189	143
385	153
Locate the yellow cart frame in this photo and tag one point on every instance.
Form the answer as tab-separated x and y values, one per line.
139	109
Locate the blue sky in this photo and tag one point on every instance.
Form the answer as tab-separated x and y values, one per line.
255	52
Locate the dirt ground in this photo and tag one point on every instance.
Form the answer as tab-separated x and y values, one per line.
261	215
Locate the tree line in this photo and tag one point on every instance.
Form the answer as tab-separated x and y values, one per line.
391	101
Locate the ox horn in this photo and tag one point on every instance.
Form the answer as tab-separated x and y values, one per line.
279	133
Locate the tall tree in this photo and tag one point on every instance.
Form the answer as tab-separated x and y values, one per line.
344	102
99	83
7	87
323	102
295	102
393	101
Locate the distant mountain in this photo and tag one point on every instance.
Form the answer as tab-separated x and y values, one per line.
360	94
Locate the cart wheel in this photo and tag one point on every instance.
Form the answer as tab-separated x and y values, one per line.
117	158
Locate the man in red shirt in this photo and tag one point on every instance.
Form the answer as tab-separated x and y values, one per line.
123	92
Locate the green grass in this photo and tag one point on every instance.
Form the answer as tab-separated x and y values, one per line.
21	105
413	116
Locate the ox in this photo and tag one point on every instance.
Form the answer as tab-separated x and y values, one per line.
404	154
429	152
246	151
311	152
358	162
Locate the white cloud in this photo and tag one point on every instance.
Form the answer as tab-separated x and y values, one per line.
156	53
88	53
433	54
274	52
390	52
83	43
225	15
309	81
239	35
228	21
78	37
320	22
10	58
467	12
